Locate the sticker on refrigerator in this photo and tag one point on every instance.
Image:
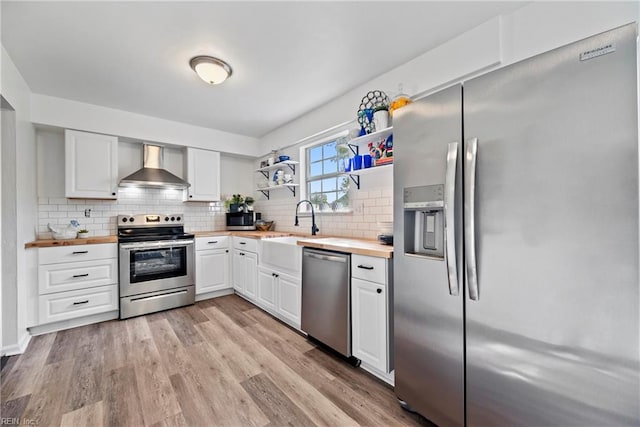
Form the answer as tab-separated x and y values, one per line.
594	53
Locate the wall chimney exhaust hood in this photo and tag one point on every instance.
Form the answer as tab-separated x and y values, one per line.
153	174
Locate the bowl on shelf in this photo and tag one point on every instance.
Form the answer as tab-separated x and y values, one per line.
263	225
283	158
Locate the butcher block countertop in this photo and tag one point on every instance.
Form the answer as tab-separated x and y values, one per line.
340	244
50	243
353	246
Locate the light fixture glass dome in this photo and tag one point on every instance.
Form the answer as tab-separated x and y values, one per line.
212	70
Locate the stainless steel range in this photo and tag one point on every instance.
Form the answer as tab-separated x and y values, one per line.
156	264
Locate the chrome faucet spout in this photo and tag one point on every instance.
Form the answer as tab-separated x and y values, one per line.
314	227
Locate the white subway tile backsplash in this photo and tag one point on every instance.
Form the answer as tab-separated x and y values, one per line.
199	216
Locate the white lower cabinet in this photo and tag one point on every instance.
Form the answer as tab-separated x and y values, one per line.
213	264
371	332
280	294
245	273
267	282
76	281
369	322
290	299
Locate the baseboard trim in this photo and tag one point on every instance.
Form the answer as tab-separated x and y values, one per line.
74	323
12	350
214	294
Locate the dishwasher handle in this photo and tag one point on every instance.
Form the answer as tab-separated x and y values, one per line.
326	257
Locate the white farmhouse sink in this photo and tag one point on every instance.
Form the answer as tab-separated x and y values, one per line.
282	254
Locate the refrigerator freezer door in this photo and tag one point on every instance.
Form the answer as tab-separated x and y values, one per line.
428	320
553	337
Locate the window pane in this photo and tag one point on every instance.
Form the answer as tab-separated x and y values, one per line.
329	184
329	150
315	169
331	197
330	166
315	186
315	154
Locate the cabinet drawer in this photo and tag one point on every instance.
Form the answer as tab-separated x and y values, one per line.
369	268
77	253
72	304
217	242
76	275
245	244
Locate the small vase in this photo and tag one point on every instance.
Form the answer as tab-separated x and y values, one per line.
83	235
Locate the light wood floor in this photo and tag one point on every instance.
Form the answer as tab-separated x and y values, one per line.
220	362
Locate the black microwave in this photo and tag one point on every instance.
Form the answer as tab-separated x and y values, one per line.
242	220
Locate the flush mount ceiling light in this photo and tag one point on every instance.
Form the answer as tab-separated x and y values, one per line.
212	70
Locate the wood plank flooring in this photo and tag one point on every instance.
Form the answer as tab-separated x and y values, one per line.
221	362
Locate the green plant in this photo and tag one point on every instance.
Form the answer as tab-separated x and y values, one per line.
237	199
249	200
84	230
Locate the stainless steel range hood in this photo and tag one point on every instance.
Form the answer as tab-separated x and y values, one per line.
152	174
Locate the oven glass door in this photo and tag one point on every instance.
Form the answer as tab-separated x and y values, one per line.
155	264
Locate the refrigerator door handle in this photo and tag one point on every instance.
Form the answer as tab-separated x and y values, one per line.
449	218
469	217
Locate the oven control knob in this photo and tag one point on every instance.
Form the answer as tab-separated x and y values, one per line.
166	218
178	219
173	218
124	219
132	219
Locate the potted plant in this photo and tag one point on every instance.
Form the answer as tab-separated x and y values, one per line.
236	201
83	234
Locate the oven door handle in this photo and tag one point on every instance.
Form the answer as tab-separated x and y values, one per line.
154	245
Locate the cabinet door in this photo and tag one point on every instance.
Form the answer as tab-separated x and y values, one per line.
369	325
91	165
238	271
212	270
289	298
250	274
203	173
266	289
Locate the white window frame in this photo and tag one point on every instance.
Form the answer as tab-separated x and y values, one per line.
303	173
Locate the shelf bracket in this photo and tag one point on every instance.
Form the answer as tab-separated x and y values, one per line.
265	193
265	173
354	149
292	167
356	180
293	190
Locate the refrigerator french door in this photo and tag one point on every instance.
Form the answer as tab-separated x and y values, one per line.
516	252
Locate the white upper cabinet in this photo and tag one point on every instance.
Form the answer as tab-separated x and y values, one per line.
203	173
91	165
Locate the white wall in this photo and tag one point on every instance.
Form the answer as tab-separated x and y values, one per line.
530	30
17	93
236	175
64	113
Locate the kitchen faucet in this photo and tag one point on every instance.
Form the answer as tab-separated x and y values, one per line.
314	228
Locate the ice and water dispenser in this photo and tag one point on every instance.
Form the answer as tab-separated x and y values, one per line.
424	221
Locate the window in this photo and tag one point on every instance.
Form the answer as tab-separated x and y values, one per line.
326	185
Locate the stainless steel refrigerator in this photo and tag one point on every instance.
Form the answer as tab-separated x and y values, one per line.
516	243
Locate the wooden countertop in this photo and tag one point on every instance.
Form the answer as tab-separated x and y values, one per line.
340	244
49	243
353	246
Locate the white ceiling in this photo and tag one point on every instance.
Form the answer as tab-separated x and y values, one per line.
287	57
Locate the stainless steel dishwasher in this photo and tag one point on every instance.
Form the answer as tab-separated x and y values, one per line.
326	298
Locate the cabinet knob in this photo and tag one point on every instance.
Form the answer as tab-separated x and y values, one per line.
191	196
113	194
379	291
227	251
